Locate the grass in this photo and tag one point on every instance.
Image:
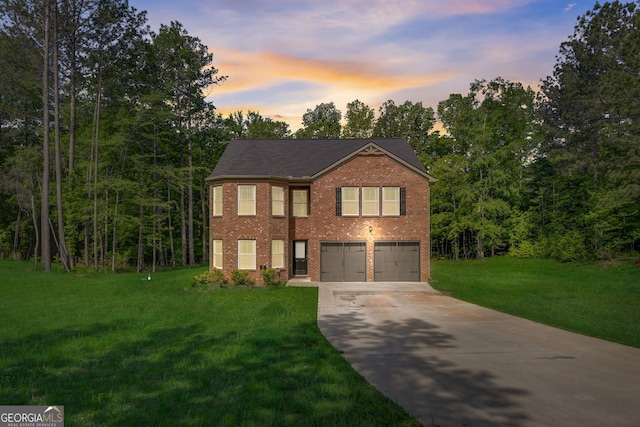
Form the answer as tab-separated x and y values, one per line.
593	299
119	350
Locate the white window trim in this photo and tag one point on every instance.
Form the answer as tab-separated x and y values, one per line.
253	199
370	203
386	203
216	200
353	202
217	253
247	260
277	254
277	205
294	204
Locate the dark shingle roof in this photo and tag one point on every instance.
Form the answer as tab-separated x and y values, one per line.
300	158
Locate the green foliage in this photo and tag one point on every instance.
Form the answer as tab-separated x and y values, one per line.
524	249
408	120
208	280
126	351
565	247
214	276
479	166
321	123
597	299
269	278
241	278
359	120
590	109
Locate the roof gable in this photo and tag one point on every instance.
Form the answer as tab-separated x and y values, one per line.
305	159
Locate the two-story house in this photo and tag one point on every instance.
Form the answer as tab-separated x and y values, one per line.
350	210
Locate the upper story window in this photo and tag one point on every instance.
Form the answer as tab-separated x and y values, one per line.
350	201
246	199
370	201
277	201
391	201
300	202
216	201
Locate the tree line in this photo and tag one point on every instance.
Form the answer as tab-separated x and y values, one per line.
106	136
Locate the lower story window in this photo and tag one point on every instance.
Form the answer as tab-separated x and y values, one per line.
217	254
277	254
246	254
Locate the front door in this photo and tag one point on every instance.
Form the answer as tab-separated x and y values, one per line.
300	257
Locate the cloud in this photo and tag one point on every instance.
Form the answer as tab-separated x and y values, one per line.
569	7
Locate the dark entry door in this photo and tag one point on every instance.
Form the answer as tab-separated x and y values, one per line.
300	257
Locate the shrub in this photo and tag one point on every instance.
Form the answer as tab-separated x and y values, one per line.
524	249
269	278
208	280
564	247
241	278
212	276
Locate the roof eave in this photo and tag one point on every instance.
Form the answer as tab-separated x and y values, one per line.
269	178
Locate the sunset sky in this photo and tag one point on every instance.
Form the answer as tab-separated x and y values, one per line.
283	57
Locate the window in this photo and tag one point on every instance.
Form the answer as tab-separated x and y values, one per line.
277	254
370	205
277	201
217	254
390	201
246	254
394	201
216	198
300	203
246	199
350	201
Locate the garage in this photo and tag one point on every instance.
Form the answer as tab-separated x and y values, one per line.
396	261
343	262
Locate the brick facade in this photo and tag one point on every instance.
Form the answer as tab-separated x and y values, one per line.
367	169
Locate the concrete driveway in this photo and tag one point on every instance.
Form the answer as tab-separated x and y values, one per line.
451	363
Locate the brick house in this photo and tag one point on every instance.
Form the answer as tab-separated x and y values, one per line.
331	210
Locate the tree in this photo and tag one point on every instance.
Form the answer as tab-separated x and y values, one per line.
322	122
491	134
590	108
360	120
186	69
254	126
410	121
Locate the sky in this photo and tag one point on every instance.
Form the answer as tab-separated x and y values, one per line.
284	57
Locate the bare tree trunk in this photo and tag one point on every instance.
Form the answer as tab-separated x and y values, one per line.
192	256
183	227
16	235
62	242
95	176
171	246
105	247
44	208
140	241
204	202
114	241
35	228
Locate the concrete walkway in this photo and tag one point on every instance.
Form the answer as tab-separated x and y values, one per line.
450	363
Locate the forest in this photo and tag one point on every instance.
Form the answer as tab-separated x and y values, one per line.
107	133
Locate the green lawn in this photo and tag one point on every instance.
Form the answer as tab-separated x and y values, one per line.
118	350
594	299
